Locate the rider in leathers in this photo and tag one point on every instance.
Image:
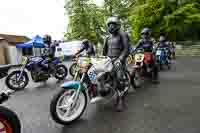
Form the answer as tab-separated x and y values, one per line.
164	44
86	46
116	46
148	45
51	51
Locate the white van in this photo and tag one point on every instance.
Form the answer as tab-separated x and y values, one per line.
68	49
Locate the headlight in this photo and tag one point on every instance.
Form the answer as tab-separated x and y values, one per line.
24	60
83	68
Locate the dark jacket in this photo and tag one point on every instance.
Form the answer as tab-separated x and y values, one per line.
88	48
147	45
117	47
163	45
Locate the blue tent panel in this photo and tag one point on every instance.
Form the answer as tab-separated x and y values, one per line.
24	45
36	42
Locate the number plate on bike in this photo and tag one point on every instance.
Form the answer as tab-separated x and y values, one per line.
92	74
158	52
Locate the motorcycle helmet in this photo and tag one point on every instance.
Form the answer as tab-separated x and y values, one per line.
85	42
114	24
47	39
145	33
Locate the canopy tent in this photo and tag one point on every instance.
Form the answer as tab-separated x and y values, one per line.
36	42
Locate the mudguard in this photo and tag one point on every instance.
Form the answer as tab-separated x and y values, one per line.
72	85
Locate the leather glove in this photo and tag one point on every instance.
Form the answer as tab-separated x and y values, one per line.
118	62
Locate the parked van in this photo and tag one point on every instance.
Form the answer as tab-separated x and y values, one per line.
68	49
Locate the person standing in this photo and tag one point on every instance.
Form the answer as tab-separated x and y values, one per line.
116	46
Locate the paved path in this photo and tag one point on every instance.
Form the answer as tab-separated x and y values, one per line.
170	107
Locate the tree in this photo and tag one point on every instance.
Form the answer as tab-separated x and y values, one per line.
178	18
174	17
78	24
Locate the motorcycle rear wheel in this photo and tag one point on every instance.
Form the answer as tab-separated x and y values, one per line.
61	75
9	121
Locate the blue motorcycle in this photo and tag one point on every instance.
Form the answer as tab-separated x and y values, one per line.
18	79
162	58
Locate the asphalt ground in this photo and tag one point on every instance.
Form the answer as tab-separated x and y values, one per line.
169	107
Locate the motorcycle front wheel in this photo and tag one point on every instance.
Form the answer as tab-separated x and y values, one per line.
137	79
16	84
61	108
9	121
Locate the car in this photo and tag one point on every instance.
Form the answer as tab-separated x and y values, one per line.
68	49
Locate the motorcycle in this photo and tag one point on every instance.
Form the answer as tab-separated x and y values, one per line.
162	59
9	121
138	69
142	68
96	76
18	79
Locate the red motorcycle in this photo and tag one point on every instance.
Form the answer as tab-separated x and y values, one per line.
143	67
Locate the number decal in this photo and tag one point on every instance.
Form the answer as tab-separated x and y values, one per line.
92	74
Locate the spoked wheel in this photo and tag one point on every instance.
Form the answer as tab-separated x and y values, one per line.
64	110
125	81
9	122
168	64
5	126
61	72
129	60
14	83
73	69
137	79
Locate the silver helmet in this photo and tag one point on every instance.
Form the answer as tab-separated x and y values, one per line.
114	24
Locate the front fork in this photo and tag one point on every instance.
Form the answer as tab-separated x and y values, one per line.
21	73
76	94
121	93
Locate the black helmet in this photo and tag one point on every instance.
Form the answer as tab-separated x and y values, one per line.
85	42
47	39
114	24
146	31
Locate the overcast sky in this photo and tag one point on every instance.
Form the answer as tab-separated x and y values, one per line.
31	17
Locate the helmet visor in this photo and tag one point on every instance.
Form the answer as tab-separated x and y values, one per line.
113	27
